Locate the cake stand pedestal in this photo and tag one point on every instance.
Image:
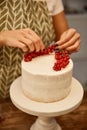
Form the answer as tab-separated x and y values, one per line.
46	112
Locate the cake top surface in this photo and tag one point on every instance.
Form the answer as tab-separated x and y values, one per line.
43	65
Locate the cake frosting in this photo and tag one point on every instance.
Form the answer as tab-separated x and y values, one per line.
41	83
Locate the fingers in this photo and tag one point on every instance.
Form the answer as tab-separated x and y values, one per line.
28	43
19	45
32	40
66	36
70	40
74	48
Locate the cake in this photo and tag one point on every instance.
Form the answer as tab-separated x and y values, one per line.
41	83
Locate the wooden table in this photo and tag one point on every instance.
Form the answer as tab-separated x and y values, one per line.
14	119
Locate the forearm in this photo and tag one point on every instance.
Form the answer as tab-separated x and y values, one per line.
60	24
66	38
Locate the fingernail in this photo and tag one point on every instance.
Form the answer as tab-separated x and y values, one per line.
56	49
55	44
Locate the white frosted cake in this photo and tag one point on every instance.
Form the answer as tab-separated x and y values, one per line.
41	83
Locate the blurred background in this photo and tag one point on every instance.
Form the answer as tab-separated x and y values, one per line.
76	13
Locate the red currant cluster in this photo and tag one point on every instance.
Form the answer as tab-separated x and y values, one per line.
62	60
62	57
30	55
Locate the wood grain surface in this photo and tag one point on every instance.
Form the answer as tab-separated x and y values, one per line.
14	119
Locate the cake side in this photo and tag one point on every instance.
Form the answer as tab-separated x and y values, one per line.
41	83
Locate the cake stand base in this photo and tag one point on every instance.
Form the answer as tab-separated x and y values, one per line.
46	112
45	123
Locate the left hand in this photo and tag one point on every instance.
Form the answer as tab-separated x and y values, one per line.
70	41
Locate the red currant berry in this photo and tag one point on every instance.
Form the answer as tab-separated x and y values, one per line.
56	67
58	57
33	54
45	51
28	58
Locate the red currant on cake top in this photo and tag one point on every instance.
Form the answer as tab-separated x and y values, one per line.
61	57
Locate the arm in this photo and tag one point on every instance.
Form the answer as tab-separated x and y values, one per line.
60	24
26	39
67	38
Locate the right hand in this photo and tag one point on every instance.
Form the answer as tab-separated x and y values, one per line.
26	39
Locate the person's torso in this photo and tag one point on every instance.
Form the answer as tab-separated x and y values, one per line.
19	14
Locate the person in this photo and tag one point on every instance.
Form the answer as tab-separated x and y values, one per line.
28	25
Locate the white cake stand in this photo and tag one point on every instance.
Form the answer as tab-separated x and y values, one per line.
46	112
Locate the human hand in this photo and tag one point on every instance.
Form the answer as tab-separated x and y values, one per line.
70	41
26	39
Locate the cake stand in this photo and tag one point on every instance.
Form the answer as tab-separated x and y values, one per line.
46	112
